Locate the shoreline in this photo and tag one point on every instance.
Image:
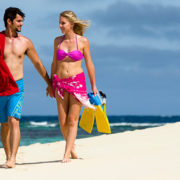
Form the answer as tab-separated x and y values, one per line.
147	154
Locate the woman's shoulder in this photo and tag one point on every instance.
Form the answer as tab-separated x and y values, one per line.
58	38
83	39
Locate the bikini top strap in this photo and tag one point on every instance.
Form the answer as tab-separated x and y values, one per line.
76	42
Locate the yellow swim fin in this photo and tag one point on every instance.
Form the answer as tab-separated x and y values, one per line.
102	120
104	108
87	120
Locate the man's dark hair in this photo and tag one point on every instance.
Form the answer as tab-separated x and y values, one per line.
10	13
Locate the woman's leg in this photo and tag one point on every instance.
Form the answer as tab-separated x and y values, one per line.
62	107
72	124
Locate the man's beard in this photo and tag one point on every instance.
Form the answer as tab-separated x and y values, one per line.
17	30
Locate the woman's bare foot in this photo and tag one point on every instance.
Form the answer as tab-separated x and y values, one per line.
11	163
74	155
66	160
4	165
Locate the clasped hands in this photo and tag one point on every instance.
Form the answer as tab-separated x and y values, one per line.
49	91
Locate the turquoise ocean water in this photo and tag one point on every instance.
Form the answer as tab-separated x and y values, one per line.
45	129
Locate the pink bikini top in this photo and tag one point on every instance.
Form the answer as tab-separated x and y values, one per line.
75	55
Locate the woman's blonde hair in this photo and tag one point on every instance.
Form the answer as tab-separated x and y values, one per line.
79	25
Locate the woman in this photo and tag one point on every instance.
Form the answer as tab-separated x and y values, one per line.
69	86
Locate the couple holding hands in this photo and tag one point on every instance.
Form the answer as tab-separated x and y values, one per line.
67	82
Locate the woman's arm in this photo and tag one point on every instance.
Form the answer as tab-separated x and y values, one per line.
89	65
54	63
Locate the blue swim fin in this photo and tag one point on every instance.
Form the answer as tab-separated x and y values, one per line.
96	100
87	120
102	120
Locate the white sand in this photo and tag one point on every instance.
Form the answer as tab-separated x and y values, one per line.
150	154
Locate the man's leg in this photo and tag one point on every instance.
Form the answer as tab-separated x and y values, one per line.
5	131
14	140
5	137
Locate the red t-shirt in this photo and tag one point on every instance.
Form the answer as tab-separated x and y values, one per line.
8	85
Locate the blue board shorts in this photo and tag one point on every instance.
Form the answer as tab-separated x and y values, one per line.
11	106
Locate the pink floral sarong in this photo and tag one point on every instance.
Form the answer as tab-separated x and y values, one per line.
75	85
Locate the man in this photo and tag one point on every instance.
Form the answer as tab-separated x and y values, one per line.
12	54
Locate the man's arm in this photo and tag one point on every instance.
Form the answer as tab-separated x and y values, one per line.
33	56
53	65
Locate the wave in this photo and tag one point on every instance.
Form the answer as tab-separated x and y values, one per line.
137	124
48	124
42	124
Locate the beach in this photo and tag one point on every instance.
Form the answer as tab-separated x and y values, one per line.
148	154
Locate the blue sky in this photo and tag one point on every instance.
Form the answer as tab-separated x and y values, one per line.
135	47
